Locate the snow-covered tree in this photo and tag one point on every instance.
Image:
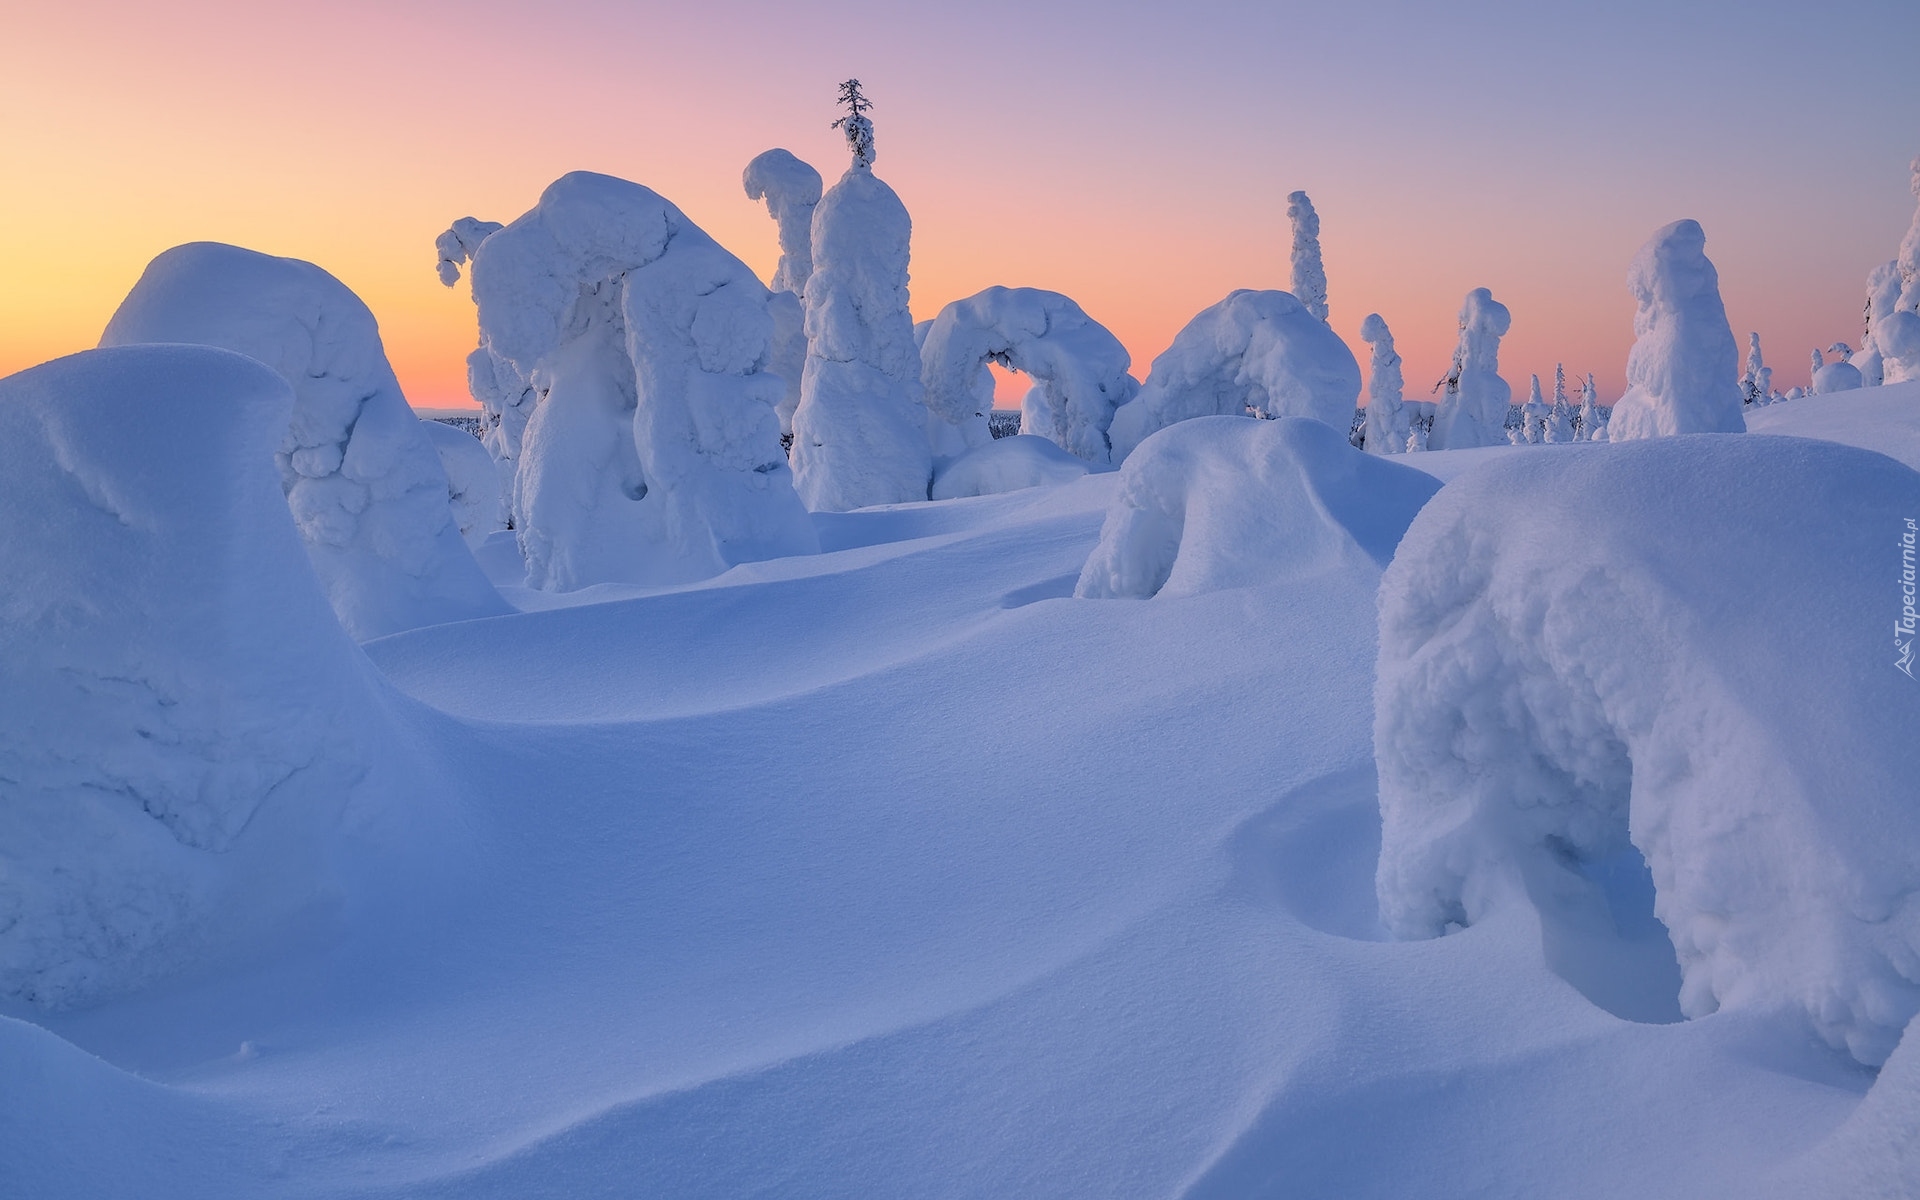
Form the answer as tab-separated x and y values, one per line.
860	433
1387	424
1080	367
1683	375
1839	375
653	452
1253	352
364	484
1883	299
1309	284
791	189
1592	428
1473	411
1536	412
1750	381
1560	416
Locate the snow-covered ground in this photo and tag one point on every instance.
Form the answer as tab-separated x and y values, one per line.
895	870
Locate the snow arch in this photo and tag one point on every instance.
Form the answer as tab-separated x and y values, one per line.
1543	701
1081	367
653	451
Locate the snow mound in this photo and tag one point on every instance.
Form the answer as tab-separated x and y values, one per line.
1543	700
1006	465
653	453
860	433
473	481
364	484
1081	367
169	667
1262	352
1226	502
1474	410
1683	374
1836	377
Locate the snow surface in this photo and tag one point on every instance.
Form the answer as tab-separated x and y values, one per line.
859	435
1005	465
182	708
1223	502
1683	373
1545	702
1080	368
364	484
653	453
895	870
473	482
1259	352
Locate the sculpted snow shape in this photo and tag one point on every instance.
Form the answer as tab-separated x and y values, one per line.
1883	299
365	487
1253	351
860	432
473	481
1683	374
1005	465
1079	366
1543	702
653	450
1474	410
182	707
1387	423
791	189
1220	502
1309	284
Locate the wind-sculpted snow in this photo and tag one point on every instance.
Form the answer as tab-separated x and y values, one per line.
1005	465
653	451
860	434
1473	412
791	189
1259	352
179	699
1222	502
365	486
1703	671
1683	374
473	481
1079	365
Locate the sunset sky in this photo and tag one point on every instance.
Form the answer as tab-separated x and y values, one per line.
1134	156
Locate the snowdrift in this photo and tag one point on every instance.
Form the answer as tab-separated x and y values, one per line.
1254	351
365	487
1703	670
1222	502
653	453
1080	367
182	706
473	481
1006	465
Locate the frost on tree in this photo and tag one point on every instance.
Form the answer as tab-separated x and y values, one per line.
1079	367
1387	424
1548	705
1593	424
185	717
1560	417
473	482
1883	299
1535	413
1683	374
1838	376
1750	392
860	434
1259	353
1309	284
364	484
1220	502
791	189
653	450
1473	410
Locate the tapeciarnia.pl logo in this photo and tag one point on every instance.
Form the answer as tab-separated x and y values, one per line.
1903	629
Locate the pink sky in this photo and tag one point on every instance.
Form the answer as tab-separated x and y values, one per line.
1136	157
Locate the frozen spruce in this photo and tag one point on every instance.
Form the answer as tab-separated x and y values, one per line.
1535	412
1750	392
653	451
1683	374
1080	369
1309	285
1473	410
1258	353
185	717
1551	709
364	484
1592	424
1883	299
1560	416
1387	425
1220	502
473	482
791	189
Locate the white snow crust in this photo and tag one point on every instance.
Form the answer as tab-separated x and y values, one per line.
1683	374
1080	368
1223	502
1258	352
365	487
1545	701
653	453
